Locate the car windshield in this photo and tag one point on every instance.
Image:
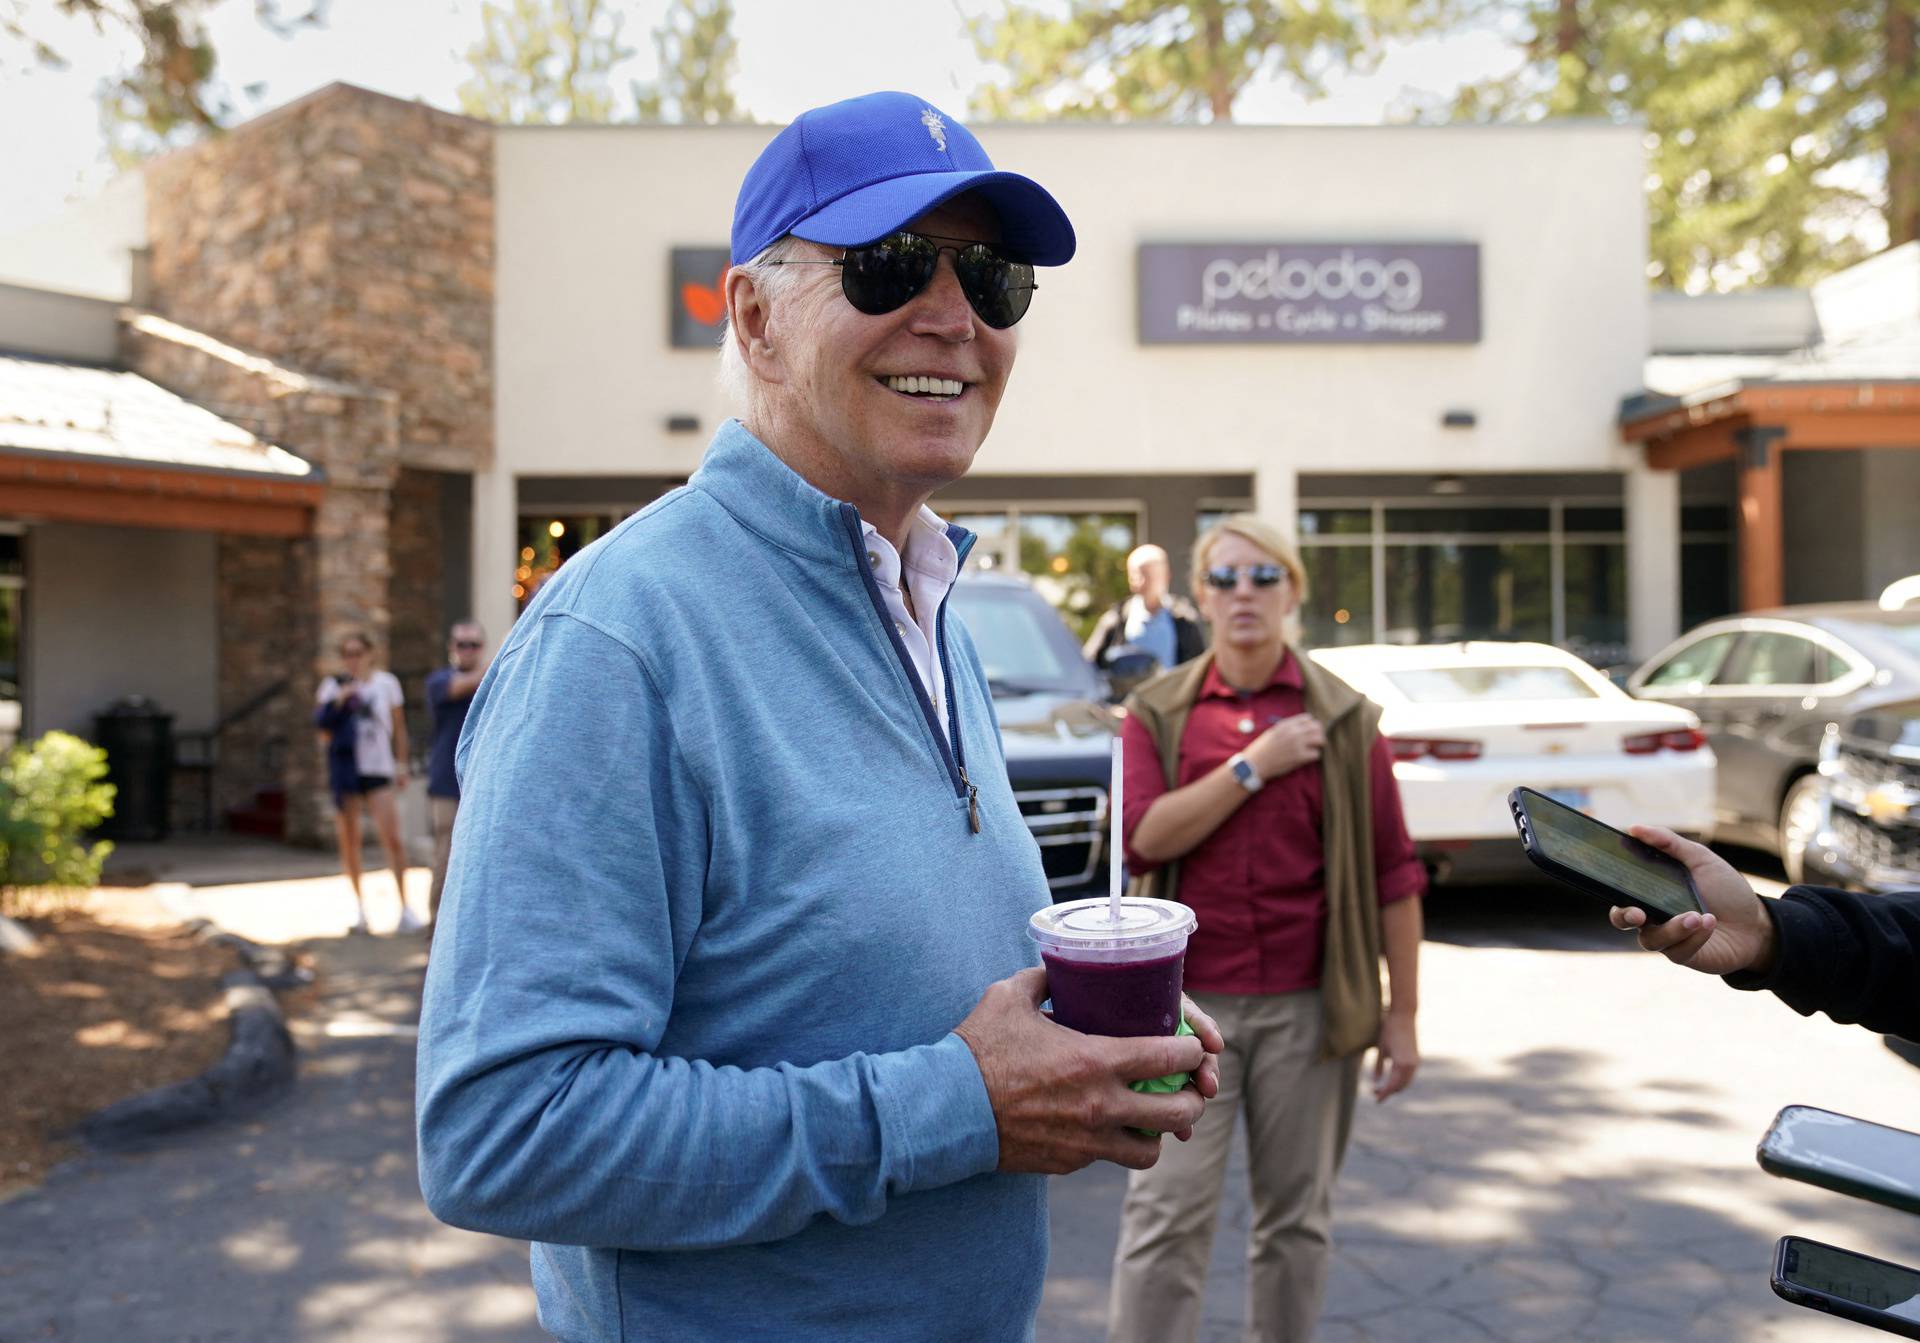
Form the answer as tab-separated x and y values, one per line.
1450	685
1020	652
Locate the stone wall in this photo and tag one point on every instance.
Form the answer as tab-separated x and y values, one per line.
331	264
418	588
264	639
349	235
284	605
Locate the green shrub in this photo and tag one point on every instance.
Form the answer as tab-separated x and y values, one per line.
52	793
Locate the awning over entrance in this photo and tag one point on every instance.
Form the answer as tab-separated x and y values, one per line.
1863	392
80	443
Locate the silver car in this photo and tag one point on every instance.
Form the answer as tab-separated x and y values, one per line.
1765	686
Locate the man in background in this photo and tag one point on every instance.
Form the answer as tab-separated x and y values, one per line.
449	693
1152	619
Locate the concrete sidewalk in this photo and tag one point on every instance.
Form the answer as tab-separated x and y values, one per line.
263	890
1574	1163
303	1223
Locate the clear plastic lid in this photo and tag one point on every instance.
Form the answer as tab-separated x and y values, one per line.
1081	926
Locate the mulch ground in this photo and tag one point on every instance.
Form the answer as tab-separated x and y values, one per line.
108	1005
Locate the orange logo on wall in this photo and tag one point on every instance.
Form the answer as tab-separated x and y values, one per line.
706	305
696	309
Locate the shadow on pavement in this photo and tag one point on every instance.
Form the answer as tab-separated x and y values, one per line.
1479	1206
1538	915
304	1223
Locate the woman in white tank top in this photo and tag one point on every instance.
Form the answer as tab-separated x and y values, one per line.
364	732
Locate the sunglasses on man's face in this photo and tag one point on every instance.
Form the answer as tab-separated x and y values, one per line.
466	645
887	275
1226	577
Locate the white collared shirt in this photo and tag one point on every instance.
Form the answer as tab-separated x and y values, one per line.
932	564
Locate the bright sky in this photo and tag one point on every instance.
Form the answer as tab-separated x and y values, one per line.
792	56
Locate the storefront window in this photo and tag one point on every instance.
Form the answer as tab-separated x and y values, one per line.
1540	569
1208	518
1596	601
1467	518
1446	592
1339	606
1078	561
991	531
1584	519
1706	563
1335	522
548	541
1076	558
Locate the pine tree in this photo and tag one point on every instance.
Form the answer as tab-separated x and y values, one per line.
698	56
1186	60
1779	131
544	62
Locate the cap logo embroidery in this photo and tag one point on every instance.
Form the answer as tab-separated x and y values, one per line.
935	127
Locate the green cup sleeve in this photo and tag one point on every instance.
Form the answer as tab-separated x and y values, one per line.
1160	1086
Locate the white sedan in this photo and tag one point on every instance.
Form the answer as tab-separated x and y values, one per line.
1470	722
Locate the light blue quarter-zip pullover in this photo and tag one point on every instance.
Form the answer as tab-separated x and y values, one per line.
719	893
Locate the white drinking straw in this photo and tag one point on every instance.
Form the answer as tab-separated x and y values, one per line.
1114	842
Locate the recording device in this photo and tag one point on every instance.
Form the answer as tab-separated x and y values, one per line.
1848	1155
1578	851
1847	1284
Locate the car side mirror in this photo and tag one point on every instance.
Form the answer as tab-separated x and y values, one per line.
1128	667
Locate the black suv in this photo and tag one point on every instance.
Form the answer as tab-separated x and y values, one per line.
1870	831
1055	727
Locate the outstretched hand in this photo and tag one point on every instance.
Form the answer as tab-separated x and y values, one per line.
1734	934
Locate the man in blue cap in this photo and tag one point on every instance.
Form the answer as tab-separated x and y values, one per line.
745	1033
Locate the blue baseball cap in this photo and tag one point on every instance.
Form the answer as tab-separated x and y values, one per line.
854	171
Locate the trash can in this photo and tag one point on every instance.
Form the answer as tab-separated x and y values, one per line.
138	740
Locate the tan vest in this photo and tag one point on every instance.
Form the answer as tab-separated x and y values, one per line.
1350	997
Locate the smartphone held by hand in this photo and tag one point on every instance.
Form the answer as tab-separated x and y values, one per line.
1844	1154
1848	1284
1594	858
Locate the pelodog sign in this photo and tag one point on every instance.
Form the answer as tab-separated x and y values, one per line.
1309	293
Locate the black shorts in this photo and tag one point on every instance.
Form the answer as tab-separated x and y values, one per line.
359	786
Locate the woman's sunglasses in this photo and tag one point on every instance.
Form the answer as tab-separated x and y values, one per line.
1226	577
887	275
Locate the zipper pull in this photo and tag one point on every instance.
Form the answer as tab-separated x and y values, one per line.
973	800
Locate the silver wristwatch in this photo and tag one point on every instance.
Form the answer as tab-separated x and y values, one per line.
1243	770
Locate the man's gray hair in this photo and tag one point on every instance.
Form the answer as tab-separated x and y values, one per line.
770	281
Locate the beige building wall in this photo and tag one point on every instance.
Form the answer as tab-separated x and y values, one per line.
586	379
116	611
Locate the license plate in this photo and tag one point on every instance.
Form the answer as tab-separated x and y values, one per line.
1578	798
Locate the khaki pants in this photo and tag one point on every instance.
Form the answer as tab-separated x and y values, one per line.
444	810
1299	1114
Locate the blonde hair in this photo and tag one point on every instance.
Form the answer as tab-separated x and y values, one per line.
1250	527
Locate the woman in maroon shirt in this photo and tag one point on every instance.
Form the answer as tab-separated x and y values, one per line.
1278	821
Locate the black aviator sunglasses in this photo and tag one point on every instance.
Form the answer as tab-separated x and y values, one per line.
1226	577
886	275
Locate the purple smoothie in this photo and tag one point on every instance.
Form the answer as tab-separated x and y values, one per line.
1116	997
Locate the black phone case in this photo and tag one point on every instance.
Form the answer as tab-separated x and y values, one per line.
1837	1306
1773	1164
1580	881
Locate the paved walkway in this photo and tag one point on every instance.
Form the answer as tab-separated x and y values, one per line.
305	1223
1575	1163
